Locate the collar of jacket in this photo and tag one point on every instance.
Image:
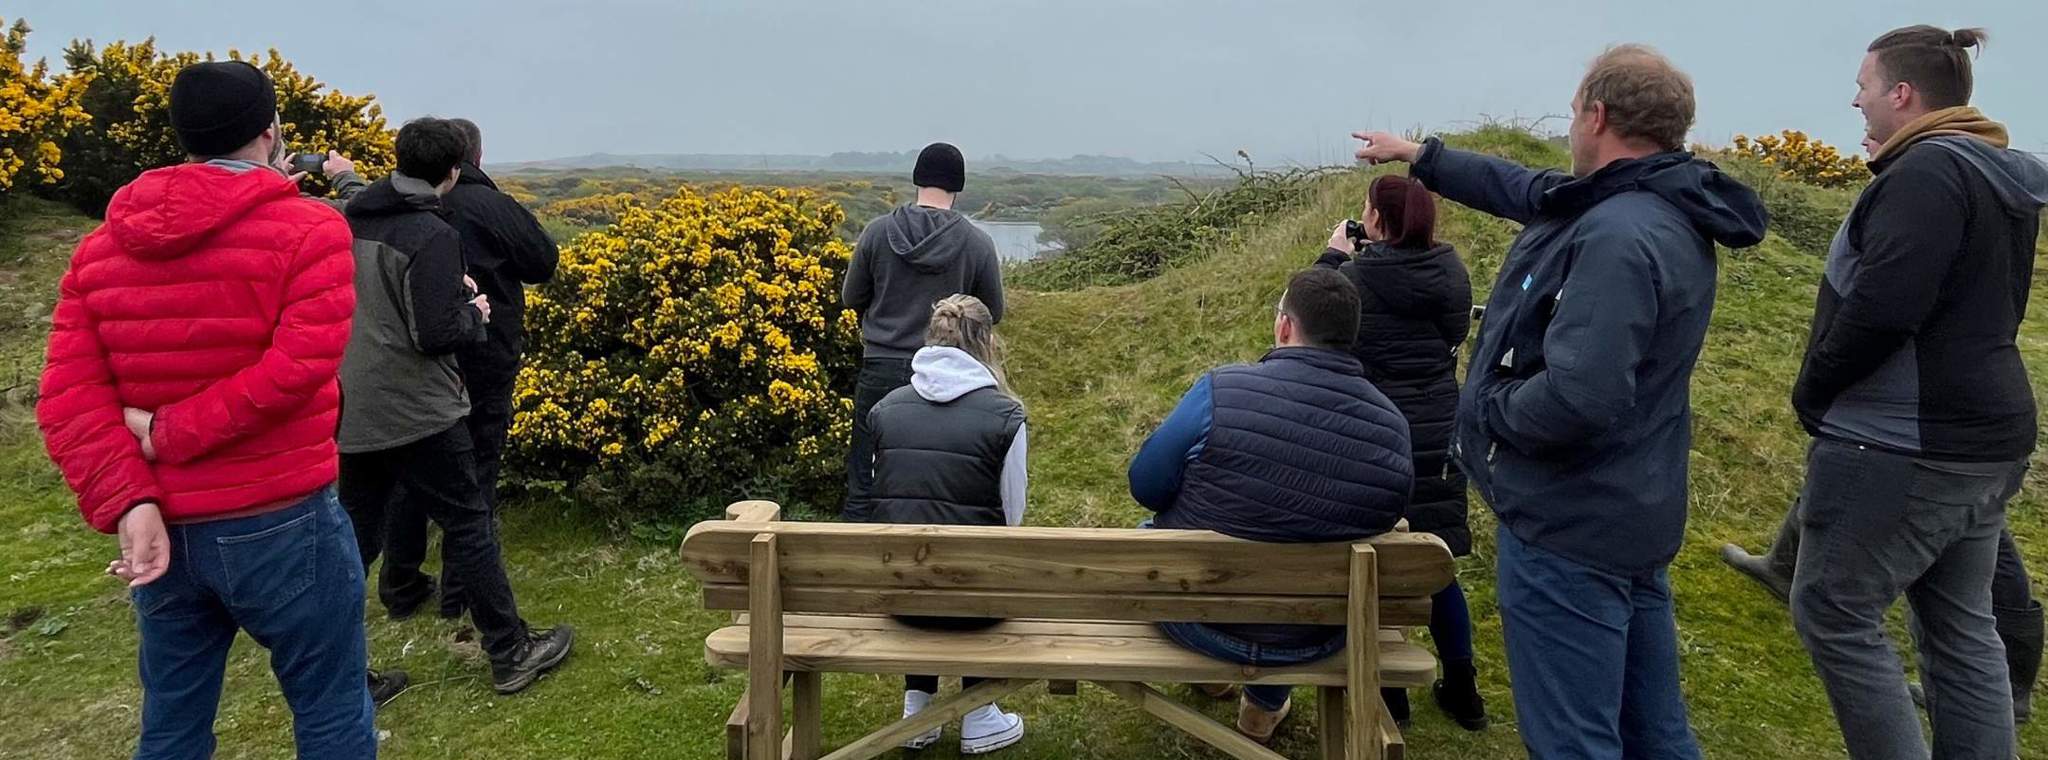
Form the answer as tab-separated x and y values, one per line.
1611	180
1330	359
474	175
1960	121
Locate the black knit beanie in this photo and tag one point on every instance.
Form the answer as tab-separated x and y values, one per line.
940	166
219	106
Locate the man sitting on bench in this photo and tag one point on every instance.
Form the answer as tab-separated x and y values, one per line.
1299	447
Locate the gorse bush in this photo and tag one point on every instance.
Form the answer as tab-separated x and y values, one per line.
130	132
1804	159
692	353
35	113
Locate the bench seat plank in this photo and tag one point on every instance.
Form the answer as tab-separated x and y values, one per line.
1054	650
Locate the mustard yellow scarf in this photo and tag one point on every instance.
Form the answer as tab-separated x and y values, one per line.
1963	121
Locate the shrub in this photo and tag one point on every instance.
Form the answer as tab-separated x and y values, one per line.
35	112
1803	159
693	353
130	131
1143	242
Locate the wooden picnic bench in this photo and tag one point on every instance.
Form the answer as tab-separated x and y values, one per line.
1080	605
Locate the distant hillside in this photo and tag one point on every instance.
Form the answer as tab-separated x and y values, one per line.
892	163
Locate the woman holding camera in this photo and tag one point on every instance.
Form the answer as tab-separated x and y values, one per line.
1415	299
949	449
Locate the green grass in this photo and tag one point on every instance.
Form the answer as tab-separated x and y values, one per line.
1099	368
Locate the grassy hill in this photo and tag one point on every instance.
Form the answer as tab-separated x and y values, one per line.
1098	368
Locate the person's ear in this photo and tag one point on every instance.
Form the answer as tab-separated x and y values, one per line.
1596	118
1901	96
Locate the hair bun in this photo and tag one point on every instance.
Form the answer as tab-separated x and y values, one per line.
1966	38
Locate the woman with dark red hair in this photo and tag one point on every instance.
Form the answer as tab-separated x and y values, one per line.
1415	300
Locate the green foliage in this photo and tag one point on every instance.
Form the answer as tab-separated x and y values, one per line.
1140	243
694	346
130	132
1073	225
35	112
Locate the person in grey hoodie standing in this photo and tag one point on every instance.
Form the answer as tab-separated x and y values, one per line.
903	264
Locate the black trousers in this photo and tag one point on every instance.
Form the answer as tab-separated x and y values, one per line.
877	378
490	416
436	477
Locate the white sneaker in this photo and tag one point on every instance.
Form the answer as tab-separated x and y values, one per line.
914	702
989	729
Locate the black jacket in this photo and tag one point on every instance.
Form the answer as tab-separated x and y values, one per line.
1914	333
1415	307
399	379
505	250
1575	421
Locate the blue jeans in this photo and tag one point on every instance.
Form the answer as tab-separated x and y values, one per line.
1593	657
292	580
1231	649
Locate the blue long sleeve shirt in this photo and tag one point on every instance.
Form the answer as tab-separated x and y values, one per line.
1156	471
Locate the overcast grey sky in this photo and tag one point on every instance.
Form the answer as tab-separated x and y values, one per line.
1157	79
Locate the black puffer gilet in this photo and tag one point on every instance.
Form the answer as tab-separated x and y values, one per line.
1415	307
942	463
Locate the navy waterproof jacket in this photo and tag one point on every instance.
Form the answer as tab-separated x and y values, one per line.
1575	421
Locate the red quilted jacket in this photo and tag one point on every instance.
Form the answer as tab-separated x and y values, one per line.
220	300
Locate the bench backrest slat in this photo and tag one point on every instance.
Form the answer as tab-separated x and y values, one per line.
1080	573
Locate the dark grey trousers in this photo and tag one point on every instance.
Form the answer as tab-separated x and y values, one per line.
1876	526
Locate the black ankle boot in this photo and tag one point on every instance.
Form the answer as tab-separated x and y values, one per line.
1457	694
2021	632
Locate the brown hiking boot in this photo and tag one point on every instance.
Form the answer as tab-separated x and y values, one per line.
1259	723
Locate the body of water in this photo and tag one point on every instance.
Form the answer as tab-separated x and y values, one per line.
1015	241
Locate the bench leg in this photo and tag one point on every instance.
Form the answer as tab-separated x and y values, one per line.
1190	721
807	719
936	714
1330	721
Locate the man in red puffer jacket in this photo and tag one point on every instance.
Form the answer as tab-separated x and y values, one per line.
190	398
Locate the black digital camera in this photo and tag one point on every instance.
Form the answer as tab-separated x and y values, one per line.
1355	230
308	163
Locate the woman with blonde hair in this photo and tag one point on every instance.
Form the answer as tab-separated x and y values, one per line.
950	450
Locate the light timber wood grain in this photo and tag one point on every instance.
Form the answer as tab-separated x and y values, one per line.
764	661
1077	604
1362	655
1141	654
1060	559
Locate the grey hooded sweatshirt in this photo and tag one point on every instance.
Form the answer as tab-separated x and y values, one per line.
906	261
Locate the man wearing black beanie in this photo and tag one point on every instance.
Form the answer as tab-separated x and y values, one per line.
223	297
906	261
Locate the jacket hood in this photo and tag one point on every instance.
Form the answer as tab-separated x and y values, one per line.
1723	209
1412	281
2020	178
474	175
168	212
942	373
928	239
396	194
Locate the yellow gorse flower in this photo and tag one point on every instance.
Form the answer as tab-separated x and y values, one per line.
698	339
1801	158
